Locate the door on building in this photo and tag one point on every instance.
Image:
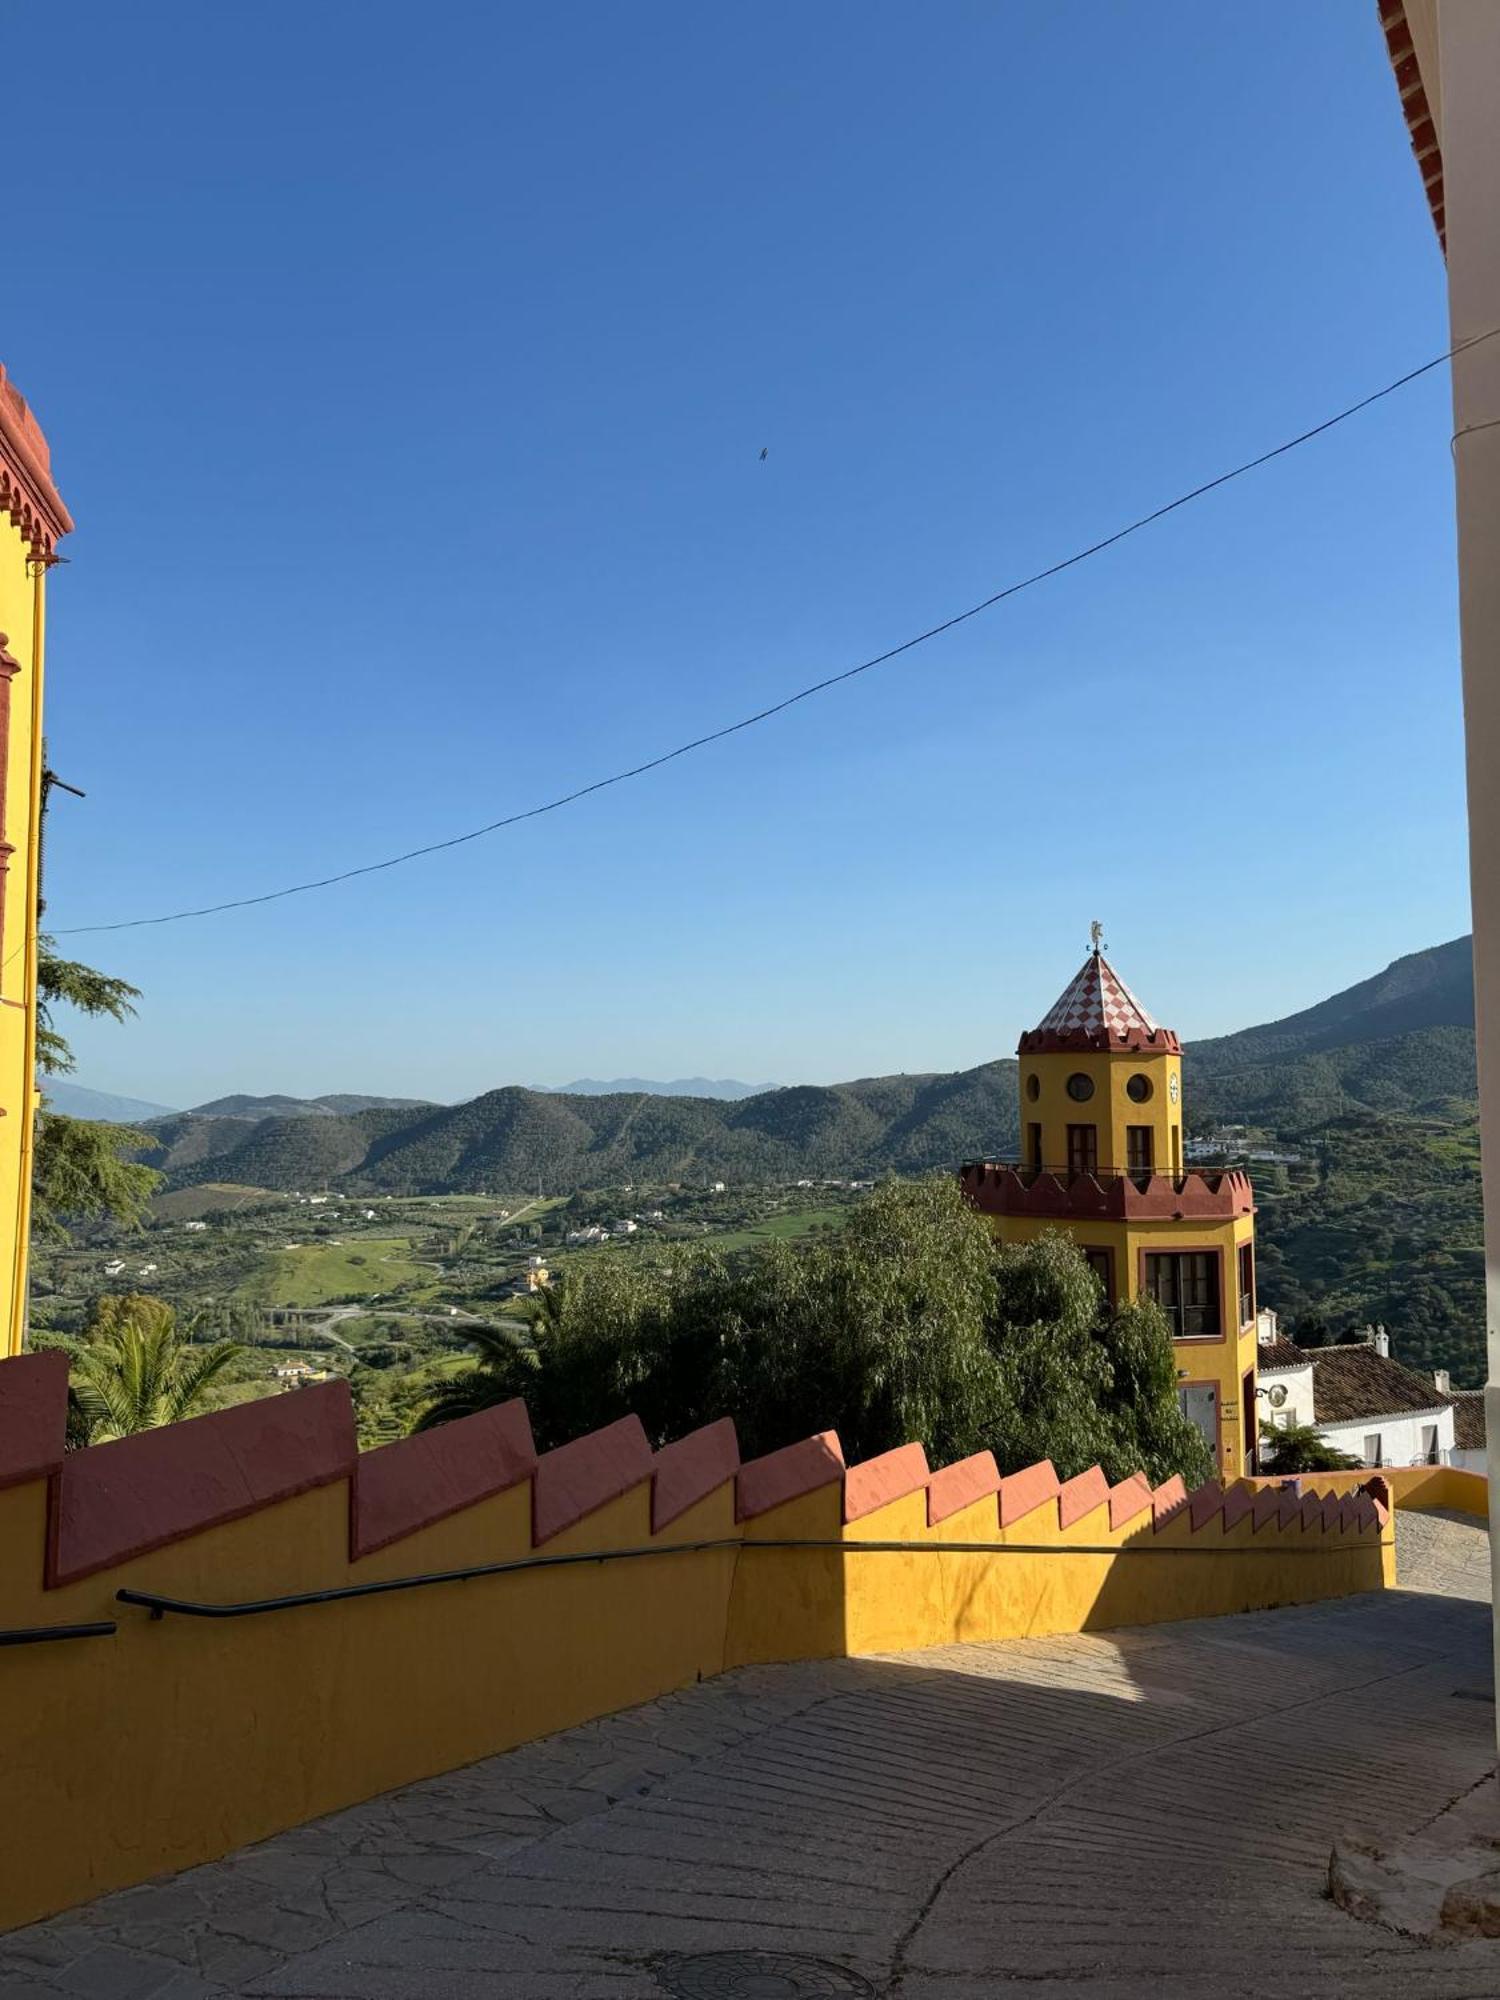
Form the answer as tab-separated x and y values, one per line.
1199	1403
1247	1405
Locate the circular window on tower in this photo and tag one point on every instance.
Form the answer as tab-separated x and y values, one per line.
1138	1088
1033	1087
1080	1087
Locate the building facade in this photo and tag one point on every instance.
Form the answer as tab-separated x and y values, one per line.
1102	1158
32	520
1360	1399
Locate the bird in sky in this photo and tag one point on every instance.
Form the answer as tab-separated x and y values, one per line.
765	451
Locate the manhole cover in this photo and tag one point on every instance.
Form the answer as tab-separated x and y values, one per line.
757	1975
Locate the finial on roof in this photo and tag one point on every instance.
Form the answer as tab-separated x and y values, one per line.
1096	935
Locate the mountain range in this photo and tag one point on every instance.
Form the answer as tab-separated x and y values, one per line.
683	1086
1400	1043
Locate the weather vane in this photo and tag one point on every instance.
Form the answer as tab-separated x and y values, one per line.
1096	935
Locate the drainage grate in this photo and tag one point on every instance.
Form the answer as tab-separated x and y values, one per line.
758	1975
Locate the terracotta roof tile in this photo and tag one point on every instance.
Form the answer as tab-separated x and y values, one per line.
1273	1354
1353	1382
1468	1419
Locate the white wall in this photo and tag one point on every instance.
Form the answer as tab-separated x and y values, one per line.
1298	1383
1400	1437
1469	1461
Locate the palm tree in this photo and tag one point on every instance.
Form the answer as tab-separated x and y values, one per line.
137	1372
508	1365
1302	1448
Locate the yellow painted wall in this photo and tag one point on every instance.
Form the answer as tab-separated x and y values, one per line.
1110	1110
177	1740
21	595
1424	1488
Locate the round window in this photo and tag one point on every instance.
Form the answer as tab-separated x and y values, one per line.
1033	1088
1080	1087
1138	1088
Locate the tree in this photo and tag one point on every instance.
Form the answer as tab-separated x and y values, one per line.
906	1325
1303	1448
81	1167
1080	1385
508	1366
136	1372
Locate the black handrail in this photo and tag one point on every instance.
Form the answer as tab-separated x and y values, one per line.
39	1635
183	1607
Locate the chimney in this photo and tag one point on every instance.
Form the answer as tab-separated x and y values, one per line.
1380	1340
1440	1381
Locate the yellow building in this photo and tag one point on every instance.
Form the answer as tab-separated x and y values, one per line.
32	519
1102	1159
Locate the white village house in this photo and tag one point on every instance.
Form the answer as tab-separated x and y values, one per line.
1362	1400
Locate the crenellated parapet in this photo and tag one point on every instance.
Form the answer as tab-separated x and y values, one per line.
27	493
1201	1194
321	1624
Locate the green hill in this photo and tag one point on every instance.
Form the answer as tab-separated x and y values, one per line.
1373	1089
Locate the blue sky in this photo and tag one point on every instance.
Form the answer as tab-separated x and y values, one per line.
407	371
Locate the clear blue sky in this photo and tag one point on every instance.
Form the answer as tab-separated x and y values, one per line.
407	371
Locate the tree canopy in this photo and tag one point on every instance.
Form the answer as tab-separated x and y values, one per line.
907	1324
81	1167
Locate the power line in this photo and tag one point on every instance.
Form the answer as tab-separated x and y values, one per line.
802	694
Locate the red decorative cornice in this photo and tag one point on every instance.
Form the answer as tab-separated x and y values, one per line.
1420	124
1203	1195
27	493
1055	1041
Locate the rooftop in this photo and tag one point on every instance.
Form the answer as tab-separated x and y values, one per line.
1356	1381
1097	1010
1043	1816
1468	1419
1272	1355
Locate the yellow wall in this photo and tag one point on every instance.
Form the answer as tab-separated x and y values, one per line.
177	1740
21	596
1110	1110
1423	1488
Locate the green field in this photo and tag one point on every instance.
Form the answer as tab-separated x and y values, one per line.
208	1198
316	1273
788	1227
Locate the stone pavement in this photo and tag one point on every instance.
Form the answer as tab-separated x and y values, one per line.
1139	1815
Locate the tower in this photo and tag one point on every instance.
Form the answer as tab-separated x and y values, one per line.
1102	1157
32	520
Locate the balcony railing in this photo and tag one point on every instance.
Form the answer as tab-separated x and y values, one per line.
1140	1178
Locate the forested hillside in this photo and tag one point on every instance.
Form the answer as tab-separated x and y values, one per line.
1373	1090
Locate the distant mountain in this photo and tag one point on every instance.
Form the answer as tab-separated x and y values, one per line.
1426	989
75	1101
683	1086
1401	1042
513	1137
335	1106
1396	1044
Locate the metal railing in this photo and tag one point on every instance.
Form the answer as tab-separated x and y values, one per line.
160	1606
1139	1177
41	1635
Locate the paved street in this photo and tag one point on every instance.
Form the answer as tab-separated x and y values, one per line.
1142	1814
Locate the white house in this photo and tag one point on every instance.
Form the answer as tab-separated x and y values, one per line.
1361	1400
193	1226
